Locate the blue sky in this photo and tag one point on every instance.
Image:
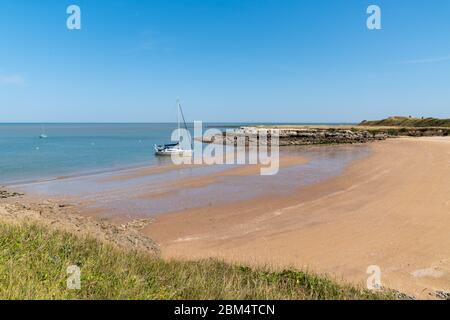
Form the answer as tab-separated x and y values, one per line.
227	60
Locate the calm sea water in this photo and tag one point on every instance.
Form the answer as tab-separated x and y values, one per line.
73	149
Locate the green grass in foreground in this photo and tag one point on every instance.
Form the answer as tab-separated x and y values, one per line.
33	262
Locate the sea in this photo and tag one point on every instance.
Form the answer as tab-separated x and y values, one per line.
76	149
73	149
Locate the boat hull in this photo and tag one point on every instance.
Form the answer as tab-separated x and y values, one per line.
169	153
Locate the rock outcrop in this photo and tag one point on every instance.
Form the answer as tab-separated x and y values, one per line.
296	136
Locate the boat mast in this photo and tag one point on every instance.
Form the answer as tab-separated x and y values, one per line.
178	120
181	114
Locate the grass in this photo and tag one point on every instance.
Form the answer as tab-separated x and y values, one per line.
34	261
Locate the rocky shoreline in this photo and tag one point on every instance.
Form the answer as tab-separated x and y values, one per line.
296	136
17	208
316	135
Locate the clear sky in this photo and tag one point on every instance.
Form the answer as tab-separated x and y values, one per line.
227	60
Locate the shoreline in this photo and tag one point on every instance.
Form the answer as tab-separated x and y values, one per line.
148	192
89	173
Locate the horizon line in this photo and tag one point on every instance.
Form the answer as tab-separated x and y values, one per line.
174	122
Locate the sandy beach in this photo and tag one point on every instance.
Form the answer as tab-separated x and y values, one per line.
391	209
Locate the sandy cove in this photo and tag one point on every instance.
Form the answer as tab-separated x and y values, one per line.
391	209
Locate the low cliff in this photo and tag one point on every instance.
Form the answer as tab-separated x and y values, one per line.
316	135
296	136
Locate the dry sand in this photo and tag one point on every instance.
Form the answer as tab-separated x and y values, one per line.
391	210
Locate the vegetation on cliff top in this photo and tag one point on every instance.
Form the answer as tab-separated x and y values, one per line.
408	122
34	261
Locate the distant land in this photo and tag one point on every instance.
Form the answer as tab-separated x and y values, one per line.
408	122
366	131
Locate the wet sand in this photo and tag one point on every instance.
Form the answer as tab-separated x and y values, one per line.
391	209
148	192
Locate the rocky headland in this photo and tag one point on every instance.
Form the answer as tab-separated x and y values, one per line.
336	134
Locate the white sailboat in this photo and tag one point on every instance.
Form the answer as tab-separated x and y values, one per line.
174	148
43	134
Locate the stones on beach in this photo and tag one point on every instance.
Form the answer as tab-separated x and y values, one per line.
6	194
400	295
137	224
442	295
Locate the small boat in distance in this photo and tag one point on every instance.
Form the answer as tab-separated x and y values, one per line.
174	148
43	134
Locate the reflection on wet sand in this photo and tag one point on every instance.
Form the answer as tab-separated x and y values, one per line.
145	192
